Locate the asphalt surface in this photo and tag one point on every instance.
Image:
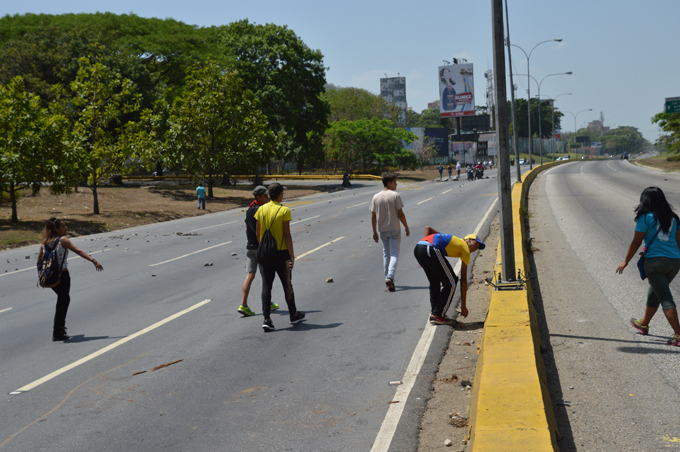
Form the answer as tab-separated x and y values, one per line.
319	385
612	389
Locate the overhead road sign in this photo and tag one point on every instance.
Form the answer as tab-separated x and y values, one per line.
672	105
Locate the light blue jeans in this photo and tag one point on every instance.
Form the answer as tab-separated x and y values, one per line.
391	242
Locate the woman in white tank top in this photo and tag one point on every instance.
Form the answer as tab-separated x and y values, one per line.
56	229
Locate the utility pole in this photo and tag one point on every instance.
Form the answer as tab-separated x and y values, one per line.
504	187
512	100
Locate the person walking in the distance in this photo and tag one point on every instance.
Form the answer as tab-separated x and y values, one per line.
657	225
386	213
261	198
458	168
200	191
441	171
431	253
276	217
450	169
54	236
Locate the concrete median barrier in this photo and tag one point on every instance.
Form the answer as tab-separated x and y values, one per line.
511	408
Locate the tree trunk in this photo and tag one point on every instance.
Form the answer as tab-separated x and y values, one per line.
210	184
13	200
94	192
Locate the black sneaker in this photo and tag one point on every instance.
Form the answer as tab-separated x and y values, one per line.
60	337
297	317
268	325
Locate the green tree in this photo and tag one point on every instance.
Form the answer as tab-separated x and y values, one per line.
546	118
286	77
101	98
33	144
622	139
351	104
216	125
669	123
363	140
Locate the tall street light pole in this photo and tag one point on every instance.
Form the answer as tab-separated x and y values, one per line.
540	131
575	115
529	87
512	98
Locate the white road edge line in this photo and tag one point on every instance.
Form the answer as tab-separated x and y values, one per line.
447	191
318	248
195	252
110	347
389	426
6	309
213	226
357	205
29	268
428	199
300	221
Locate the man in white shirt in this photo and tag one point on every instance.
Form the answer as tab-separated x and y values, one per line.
386	213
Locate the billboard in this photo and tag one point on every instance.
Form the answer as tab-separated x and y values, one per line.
439	137
456	90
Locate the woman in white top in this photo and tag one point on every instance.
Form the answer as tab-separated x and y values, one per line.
56	228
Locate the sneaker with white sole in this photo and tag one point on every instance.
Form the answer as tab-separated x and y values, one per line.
268	325
297	317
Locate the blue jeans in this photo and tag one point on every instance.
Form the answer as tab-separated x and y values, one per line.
660	272
391	242
201	203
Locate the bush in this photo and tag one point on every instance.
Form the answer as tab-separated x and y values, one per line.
673	158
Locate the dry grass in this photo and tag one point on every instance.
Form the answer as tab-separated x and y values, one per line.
660	163
120	207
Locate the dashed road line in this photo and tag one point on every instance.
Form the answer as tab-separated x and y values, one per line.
6	309
190	254
447	191
110	347
213	226
426	200
319	247
300	221
357	205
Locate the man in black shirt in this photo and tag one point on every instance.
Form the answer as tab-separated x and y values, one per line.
261	197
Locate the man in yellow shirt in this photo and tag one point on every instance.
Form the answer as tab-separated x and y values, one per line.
431	253
276	217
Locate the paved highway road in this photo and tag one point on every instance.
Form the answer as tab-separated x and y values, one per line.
319	385
613	390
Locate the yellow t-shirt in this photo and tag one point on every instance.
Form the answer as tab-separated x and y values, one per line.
271	216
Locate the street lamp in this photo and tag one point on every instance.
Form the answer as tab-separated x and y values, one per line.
575	115
529	86
540	132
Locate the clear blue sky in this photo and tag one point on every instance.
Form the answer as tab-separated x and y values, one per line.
625	55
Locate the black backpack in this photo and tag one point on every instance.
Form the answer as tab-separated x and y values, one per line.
267	250
49	269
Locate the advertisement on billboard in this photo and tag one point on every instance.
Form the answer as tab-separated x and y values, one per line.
456	90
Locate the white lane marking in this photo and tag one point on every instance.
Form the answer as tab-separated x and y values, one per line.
110	347
300	221
389	426
357	205
190	254
447	191
319	247
36	268
6	309
425	200
213	226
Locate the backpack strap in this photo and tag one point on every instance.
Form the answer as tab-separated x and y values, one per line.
270	225
652	241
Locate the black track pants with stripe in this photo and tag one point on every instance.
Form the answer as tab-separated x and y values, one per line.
443	280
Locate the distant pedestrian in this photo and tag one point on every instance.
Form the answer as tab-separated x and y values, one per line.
276	217
430	252
450	168
261	198
657	224
200	191
441	171
54	236
386	213
345	180
458	168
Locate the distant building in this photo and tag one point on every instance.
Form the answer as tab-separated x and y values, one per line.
597	126
434	105
393	90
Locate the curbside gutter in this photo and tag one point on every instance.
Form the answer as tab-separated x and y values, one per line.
511	408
